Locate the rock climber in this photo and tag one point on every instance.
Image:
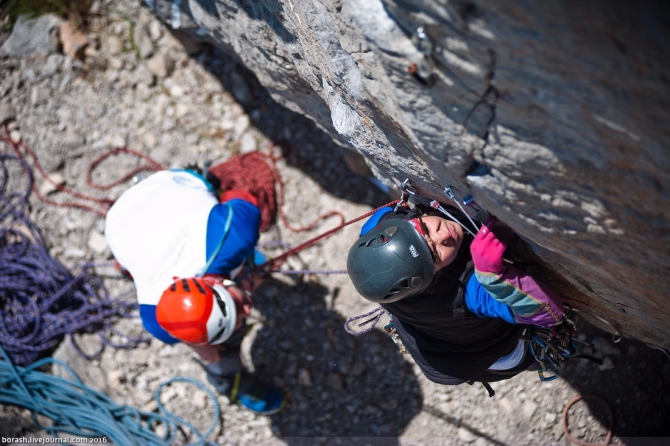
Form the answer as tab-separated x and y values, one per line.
458	308
184	246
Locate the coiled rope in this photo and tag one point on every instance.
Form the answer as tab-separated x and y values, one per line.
41	301
75	409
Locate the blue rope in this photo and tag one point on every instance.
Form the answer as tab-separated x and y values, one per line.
77	410
40	300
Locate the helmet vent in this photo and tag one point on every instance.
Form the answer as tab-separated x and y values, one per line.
404	283
382	239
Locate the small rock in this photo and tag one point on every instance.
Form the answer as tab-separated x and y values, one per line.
200	399
161	66
32	36
465	435
114	45
15	136
97	242
39	95
73	40
550	417
155	30
144	76
248	143
304	378
529	409
143	42
117	141
176	91
51	184
508	405
608	364
242	124
115	378
7	113
335	381
73	140
52	65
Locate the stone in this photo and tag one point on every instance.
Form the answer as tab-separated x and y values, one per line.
51	184
144	76
242	124
97	242
113	45
39	95
304	378
155	30
32	36
466	435
143	42
73	40
160	65
7	113
248	143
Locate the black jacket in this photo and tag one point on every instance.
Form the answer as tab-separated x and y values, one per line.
451	344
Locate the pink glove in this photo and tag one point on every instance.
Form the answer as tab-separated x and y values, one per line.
487	251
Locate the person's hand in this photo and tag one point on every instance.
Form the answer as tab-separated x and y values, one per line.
250	282
487	251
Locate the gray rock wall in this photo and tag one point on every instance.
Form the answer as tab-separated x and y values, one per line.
551	114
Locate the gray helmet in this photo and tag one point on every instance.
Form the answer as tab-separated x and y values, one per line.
390	262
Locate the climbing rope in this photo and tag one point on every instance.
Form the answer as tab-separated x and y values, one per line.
41	300
75	409
98	206
275	262
610	418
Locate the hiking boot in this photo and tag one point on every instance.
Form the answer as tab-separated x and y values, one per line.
258	397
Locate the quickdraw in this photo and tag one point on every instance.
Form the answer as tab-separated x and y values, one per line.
551	347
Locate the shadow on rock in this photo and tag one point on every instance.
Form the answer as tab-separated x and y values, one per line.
634	380
340	171
338	385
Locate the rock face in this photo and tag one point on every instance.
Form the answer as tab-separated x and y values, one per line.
552	115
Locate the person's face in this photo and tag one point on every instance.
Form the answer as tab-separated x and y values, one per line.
243	304
444	238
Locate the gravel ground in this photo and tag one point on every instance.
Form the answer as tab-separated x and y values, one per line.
186	104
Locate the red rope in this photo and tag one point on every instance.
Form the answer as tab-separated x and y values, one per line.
257	173
610	423
103	204
276	262
152	165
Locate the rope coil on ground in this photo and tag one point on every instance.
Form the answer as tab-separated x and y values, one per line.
42	300
75	409
610	414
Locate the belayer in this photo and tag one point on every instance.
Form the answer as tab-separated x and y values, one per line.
461	312
184	245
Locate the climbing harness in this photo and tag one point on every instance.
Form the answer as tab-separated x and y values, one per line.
75	409
551	347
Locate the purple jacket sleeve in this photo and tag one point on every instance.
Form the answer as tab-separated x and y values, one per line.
531	301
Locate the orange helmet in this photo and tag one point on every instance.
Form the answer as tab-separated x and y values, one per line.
197	311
